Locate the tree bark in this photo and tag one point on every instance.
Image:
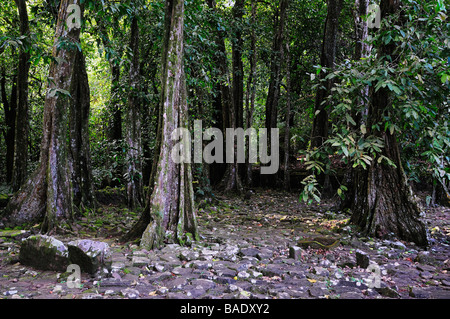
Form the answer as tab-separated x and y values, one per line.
251	91
47	197
82	180
10	109
171	208
383	202
238	66
319	131
230	181
362	50
286	179
134	140
21	126
273	94
276	66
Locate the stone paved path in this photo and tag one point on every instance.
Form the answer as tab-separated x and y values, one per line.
254	250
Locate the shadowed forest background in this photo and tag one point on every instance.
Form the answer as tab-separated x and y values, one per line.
87	112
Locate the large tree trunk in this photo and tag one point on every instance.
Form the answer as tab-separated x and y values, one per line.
21	127
48	194
383	202
134	140
320	123
170	209
82	180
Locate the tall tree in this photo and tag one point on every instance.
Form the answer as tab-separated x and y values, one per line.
230	181
48	196
273	94
276	65
170	208
133	134
21	125
286	178
251	88
9	109
238	66
320	123
383	202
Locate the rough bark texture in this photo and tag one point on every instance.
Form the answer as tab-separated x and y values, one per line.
48	194
171	204
21	126
320	124
82	180
133	137
383	202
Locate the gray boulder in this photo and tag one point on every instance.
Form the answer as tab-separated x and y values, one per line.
88	254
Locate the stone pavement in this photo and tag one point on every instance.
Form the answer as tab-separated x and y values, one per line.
258	254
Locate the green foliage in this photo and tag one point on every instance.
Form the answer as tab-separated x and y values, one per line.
417	77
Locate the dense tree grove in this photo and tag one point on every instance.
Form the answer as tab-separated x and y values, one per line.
91	93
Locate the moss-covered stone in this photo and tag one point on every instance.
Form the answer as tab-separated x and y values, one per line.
44	252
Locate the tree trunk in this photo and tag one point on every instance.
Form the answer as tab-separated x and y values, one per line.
286	179
230	181
21	126
362	50
273	94
276	65
238	66
251	91
319	131
9	108
134	165
48	194
115	121
82	180
383	202
171	204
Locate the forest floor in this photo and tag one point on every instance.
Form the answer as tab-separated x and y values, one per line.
270	246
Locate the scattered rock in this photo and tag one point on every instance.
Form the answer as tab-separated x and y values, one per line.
295	252
424	257
88	254
362	259
130	293
387	292
139	261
